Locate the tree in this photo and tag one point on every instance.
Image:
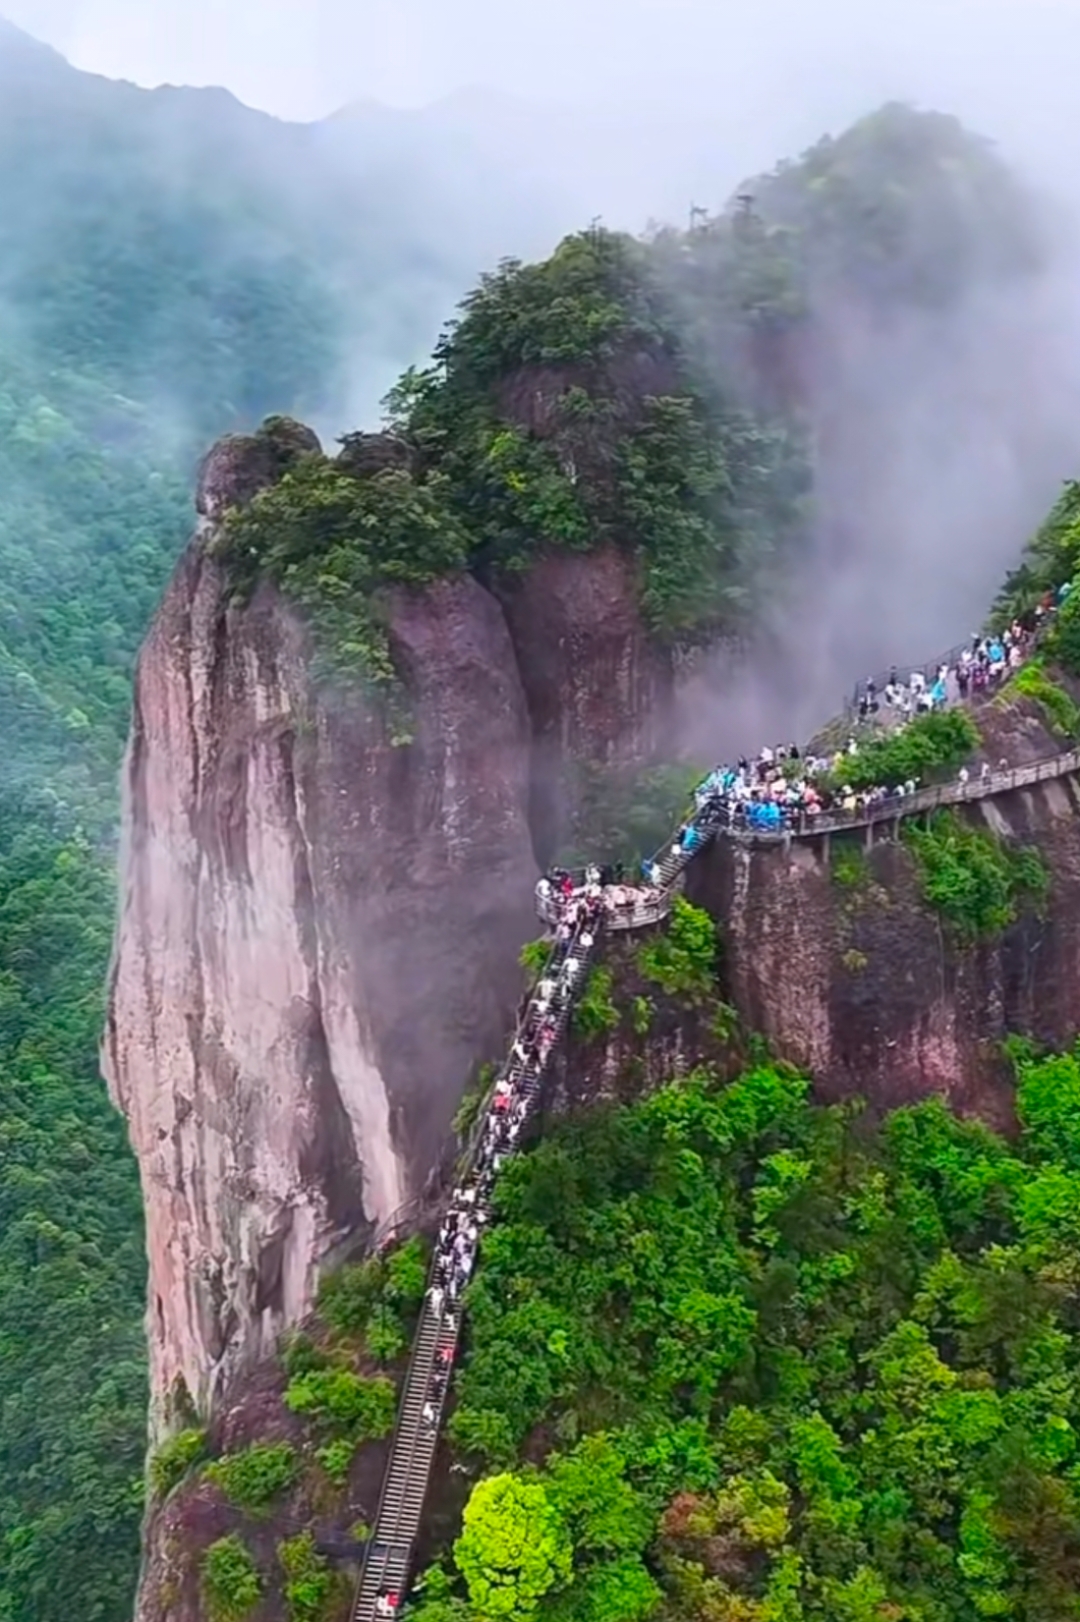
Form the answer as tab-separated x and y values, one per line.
514	1547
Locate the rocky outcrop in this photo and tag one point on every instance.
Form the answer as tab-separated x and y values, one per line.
861	983
599	690
317	938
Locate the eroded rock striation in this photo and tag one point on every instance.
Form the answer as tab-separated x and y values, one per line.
317	939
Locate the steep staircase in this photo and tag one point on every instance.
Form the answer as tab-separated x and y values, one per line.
385	1574
388	1557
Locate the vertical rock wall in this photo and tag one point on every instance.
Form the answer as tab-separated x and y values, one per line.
317	943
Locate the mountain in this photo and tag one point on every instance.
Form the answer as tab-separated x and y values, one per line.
174	266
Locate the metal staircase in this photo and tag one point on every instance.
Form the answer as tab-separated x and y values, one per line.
387	1560
385	1574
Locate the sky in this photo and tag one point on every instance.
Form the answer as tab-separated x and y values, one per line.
1009	66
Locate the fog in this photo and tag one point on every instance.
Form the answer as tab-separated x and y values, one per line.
494	129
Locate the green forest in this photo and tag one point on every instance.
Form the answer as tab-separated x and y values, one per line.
153	296
739	1357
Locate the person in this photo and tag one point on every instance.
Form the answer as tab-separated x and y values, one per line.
427	1413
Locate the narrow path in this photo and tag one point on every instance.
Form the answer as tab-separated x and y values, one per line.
388	1558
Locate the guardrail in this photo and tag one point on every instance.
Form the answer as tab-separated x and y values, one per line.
895	806
643	909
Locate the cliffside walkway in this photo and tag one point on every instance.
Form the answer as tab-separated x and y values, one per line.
899	806
388	1557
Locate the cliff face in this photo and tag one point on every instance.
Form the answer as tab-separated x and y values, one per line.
864	985
319	926
599	692
316	945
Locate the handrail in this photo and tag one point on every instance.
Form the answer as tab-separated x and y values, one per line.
895	806
389	1550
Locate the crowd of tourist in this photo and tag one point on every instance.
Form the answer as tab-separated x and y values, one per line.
782	789
786	790
577	910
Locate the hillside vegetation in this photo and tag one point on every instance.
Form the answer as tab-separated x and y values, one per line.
171	269
735	1356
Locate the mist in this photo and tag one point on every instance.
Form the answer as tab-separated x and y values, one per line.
400	151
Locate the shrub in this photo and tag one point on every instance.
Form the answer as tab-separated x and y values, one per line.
310	1587
847	865
1065	637
350	1404
971	877
384	1336
594	1012
347	1296
253	1478
641	1014
514	1547
406	1274
330	540
682	960
336	1459
174	1458
299	1353
534	955
931	745
1031	681
230	1581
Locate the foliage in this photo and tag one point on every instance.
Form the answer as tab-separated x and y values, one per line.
174	1458
932	746
330	540
253	1478
1032	681
230	1581
472	1101
311	1587
374	1300
336	1459
1064	640
820	1367
700	489
594	1012
534	955
973	878
1051	559
681	959
73	1388
350	1405
514	1547
848	865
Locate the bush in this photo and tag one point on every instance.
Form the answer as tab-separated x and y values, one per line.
347	1296
336	1459
1065	636
933	745
299	1353
384	1336
514	1547
230	1581
406	1274
174	1458
329	540
253	1478
682	960
594	1012
971	877
1031	681
310	1587
534	955
359	1408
